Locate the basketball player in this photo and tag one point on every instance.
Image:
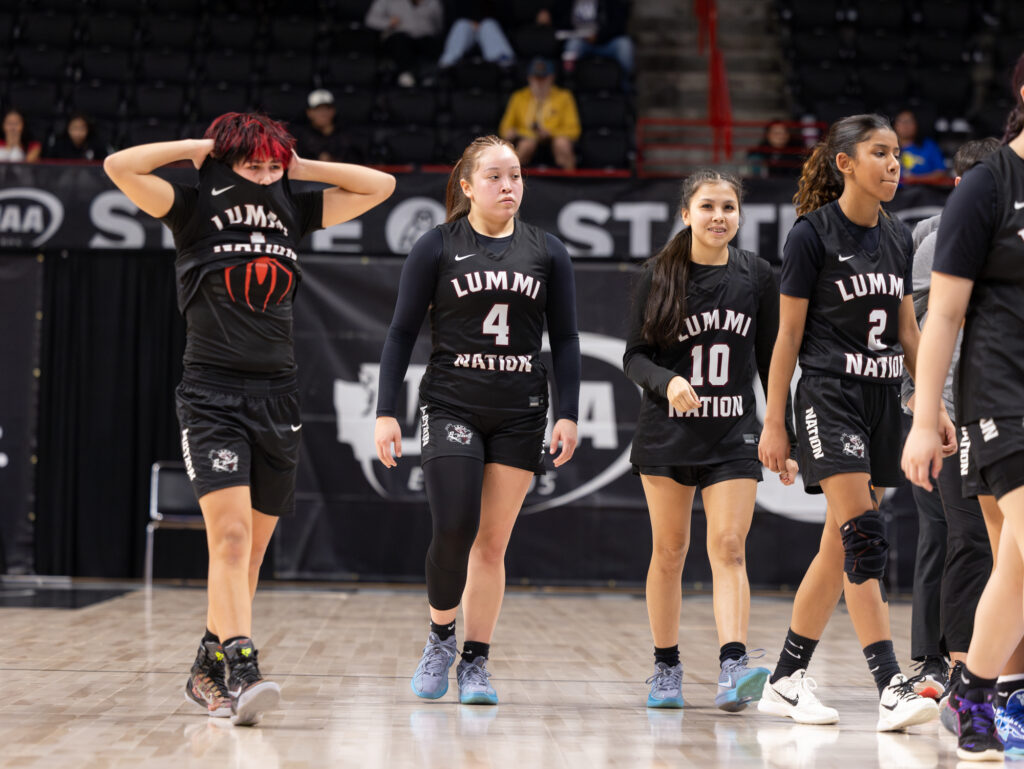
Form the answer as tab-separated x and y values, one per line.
489	281
845	310
954	557
978	281
704	321
236	235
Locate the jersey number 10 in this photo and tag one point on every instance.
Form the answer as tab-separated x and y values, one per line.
718	365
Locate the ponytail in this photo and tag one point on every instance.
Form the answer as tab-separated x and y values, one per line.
456	203
665	312
820	179
1014	123
1015	120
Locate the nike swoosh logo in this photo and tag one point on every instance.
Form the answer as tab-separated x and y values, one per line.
216	192
846	258
727	684
1018	204
891	707
792	701
295	428
460	258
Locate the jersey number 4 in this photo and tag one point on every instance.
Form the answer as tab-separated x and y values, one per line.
718	365
496	324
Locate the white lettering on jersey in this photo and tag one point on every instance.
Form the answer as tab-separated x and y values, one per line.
495	280
271	249
712	406
255	216
811	425
870	284
988	429
737	322
886	367
491	362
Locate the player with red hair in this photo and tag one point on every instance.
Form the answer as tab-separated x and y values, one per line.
237	233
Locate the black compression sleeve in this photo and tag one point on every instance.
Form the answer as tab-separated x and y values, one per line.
562	331
415	290
638	361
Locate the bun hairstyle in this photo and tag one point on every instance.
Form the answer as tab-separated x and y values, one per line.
665	313
820	179
241	136
456	203
1015	120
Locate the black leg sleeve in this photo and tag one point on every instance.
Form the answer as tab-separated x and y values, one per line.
454	486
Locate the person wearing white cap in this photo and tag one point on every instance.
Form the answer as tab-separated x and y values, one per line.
321	138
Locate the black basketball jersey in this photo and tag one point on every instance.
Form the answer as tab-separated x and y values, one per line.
991	373
852	327
487	321
237	268
715	353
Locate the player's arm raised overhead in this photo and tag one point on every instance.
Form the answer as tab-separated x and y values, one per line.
132	169
355	189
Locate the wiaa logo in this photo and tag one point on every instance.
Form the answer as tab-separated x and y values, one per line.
28	217
609	404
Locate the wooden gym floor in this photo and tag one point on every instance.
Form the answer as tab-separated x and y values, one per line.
102	686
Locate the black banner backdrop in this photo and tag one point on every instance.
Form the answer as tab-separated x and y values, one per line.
76	207
585	523
21	279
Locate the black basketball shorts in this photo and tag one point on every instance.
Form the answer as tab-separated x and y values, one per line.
971	485
241	432
997	450
848	426
516	440
705	475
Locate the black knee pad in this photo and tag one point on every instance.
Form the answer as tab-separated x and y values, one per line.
867	550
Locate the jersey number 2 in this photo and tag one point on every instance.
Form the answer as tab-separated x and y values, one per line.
877	319
496	324
718	365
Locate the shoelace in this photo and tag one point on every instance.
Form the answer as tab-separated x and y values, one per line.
732	666
807	685
436	658
246	670
667	678
932	665
905	690
475	675
982	715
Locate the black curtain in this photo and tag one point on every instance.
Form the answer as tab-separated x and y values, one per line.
111	357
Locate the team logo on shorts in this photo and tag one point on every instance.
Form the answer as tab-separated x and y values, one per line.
224	460
853	446
459	434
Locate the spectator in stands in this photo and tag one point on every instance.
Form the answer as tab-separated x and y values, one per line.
321	139
542	115
477	23
779	155
77	142
410	33
598	28
920	159
17	145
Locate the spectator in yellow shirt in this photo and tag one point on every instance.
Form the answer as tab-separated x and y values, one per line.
542	114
